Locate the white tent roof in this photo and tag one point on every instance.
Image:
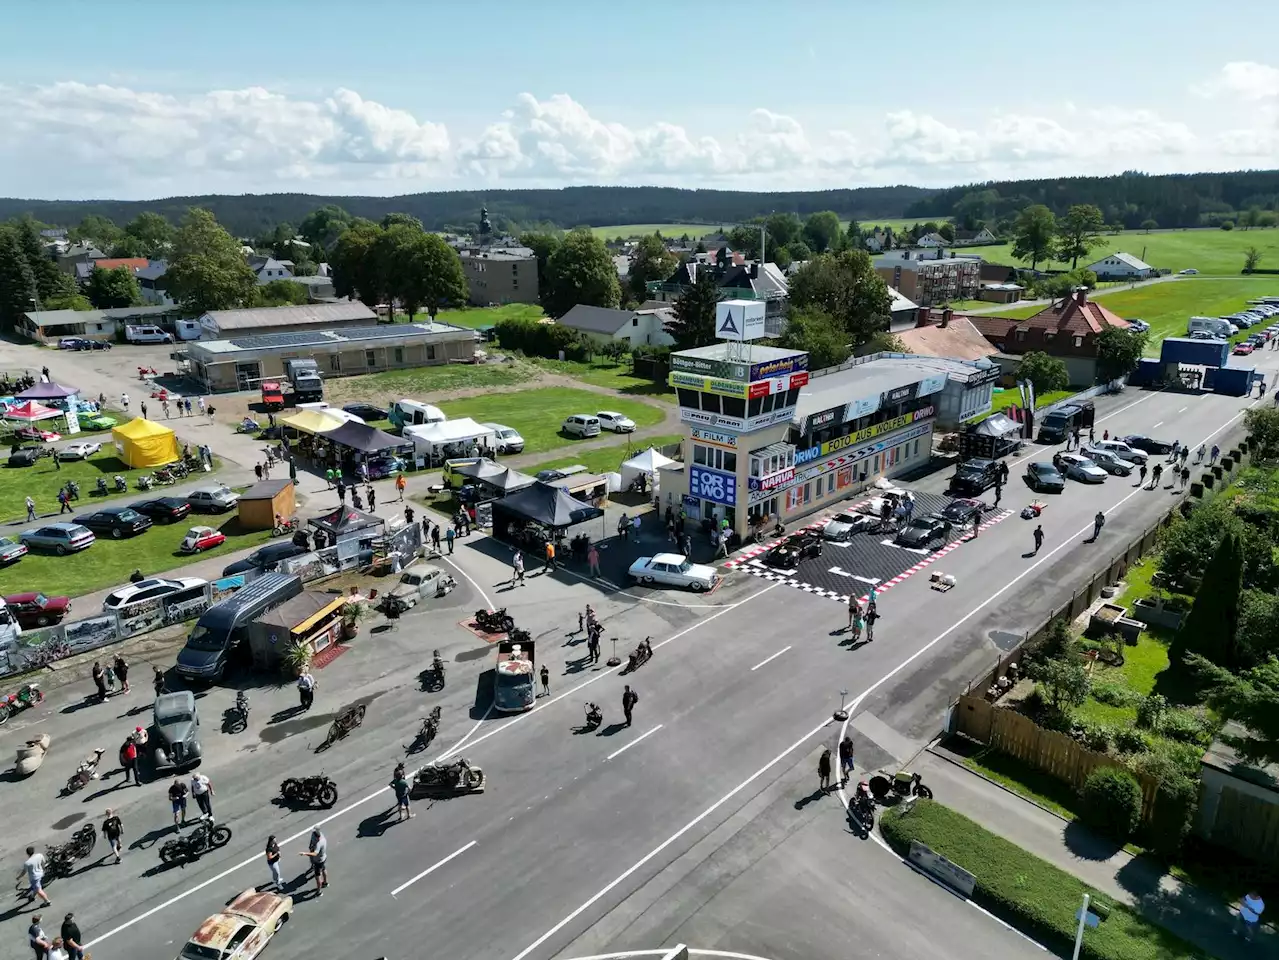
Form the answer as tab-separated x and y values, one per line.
650	461
449	431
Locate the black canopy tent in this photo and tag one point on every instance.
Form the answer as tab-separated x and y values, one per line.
362	437
993	438
345	522
531	516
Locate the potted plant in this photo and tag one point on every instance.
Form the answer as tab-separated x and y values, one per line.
297	658
352	614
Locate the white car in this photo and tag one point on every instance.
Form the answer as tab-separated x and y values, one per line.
215	499
675	571
79	451
149	590
617	422
1189	272
505	440
844	525
1140	325
1080	468
1121	450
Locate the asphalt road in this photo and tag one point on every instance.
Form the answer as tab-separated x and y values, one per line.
625	838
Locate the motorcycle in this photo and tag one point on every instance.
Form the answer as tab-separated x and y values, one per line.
904	785
427	732
28	695
121	484
862	808
595	716
284	528
144	372
315	789
240	712
639	656
88	770
73	490
456	776
61	857
165	476
178	468
248	425
100	487
205	837
494	621
145	483
437	666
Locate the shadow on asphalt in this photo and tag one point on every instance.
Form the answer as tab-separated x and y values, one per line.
1088	845
151	837
483	700
816	795
611	729
376	824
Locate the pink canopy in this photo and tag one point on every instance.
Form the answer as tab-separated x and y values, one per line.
30	412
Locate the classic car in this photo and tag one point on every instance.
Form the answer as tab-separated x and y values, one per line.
1243	349
78	451
1079	468
213	499
242	930
673	570
383	465
201	538
1147	444
1108	461
885	493
418	581
175	733
151	589
98	421
1043	477
163	509
11	551
26	456
36	610
1120	449
116	522
975	476
265	558
37	434
617	422
961	511
791	551
365	411
61	538
922	531
844	525
71	343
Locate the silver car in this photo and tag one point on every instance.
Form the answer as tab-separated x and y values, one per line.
61	538
844	525
176	731
1079	468
1121	450
1108	461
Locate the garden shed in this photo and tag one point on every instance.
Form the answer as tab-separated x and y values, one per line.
264	501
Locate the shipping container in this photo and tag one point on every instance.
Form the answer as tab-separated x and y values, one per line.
1233	381
1148	371
1199	353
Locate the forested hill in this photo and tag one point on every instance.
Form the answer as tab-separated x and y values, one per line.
251	215
1174	200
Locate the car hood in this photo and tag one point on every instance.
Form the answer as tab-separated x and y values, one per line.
57	604
176	731
197	659
240	566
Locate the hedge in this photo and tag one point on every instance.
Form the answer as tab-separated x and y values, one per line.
1031	894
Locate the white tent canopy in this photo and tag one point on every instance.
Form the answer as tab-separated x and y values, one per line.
648	462
431	438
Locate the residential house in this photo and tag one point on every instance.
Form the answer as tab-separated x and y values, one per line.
970	238
635	327
1122	266
877	241
623	266
319	289
323	317
77	253
85	270
53	233
931	241
50	326
737	278
151	282
268	269
902	312
495	276
1067	329
943	333
931	279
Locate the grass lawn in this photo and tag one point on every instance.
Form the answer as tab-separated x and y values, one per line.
1030	893
672	231
605	373
109	562
896	224
1167	306
607	458
1003	398
537	414
390	385
474	317
42	481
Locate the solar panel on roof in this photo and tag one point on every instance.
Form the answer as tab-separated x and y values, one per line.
267	341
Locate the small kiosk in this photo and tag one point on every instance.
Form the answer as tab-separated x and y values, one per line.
311	619
264	501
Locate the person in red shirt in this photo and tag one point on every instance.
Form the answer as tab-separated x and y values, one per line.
129	760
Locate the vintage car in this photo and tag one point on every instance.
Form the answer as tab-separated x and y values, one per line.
115	522
1079	468
11	551
885	493
201	538
419	581
98	421
36	610
163	509
36	433
78	451
218	498
795	548
175	732
673	570
242	930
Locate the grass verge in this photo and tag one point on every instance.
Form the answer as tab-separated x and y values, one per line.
607	458
390	385
1030	893
476	317
612	376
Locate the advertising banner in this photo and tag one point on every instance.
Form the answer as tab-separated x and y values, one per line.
778	368
702	418
769	419
723	369
186	604
843	464
931	385
90	634
725	388
867	433
715	438
824	419
980	377
771	482
740	320
899	395
713	485
140	617
857	409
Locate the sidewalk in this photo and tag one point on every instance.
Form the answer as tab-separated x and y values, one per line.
1193	914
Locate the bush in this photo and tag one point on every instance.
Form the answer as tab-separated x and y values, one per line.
1227	225
1112	802
1094	735
1114	694
1186	726
1151	709
1175	767
1130	740
540	339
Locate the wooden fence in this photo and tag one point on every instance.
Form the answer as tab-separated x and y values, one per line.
1053	753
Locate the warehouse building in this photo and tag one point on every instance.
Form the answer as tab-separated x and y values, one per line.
347	314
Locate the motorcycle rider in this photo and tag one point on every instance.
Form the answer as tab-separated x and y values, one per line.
464	773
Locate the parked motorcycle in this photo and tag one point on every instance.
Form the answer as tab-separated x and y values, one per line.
862	807
61	857
315	789
639	656
494	621
145	482
28	695
240	712
88	770
903	786
426	732
121	484
594	716
248	425
285	528
100	487
205	837
455	776
73	490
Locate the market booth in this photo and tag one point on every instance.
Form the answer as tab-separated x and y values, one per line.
142	443
644	465
264	501
436	442
354	443
540	512
48	391
311	619
993	438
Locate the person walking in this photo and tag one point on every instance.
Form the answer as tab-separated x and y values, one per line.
1091	433
71	937
465	517
341	486
178	800
129	760
629	700
272	853
124	402
33	867
1098	520
318	851
1173	452
142	406
846	759
1213	455
369	494
1156	471
401	483
872	615
517	569
545	676
593	561
1183	477
824	770
999	490
550	563
624	527
435	537
1251	909
1038	533
64	503
36	937
31	508
202	790
635	527
122	671
257	471
593	647
401	787
1186	451
1142	474
200	403
1004	472
112	830
157	681
1200	454
450	535
306	689
164	405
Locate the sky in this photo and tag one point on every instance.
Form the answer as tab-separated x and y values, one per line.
139	100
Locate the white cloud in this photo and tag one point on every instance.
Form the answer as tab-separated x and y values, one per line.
1243	80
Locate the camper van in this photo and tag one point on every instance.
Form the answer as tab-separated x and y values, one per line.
224	626
1212	325
411	413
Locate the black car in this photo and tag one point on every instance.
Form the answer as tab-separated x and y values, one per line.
26	456
365	411
922	531
163	509
974	476
792	550
962	511
1044	477
94	345
117	522
1157	448
265	558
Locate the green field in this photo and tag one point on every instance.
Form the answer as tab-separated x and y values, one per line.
476	317
1211	251
897	224
606	373
42	481
607	458
672	231
537	414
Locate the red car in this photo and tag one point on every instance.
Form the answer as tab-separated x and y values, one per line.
201	538
37	610
35	433
1243	349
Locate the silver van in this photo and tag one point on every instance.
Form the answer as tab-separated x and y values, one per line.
146	334
581	425
1214	325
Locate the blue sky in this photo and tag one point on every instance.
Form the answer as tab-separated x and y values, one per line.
136	99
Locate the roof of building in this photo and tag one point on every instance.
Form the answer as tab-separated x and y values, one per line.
923	259
311	313
898	303
385	335
959	340
53	318
596	319
871	376
83	250
258	263
1076	314
509	254
729	350
1127	258
313	281
152	271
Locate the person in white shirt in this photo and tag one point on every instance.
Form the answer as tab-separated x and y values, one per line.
306	690
1251	910
33	867
202	790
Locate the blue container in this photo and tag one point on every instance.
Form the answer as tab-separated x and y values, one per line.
1197	353
1233	381
1147	372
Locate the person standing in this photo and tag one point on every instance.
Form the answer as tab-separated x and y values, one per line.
1038	533
846	759
1186	452
550	564
200	403
124	401
71	937
999	490
143	407
593	561
1142	474
629	700
1213	455
545	676
435	537
1004	472
401	787
517	569
624	526
112	830
855	610
178	800
257	471
1184	476
1251	908
1099	519
272	853
100	681
33	867
31	508
328	478
449	535
318	851
635	527
401	483
341	486
824	770
369	495
1200	454
871	617
1156	471
202	790
306	689
122	671
36	936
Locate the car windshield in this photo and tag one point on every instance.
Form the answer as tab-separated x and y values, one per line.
198	951
202	638
845	518
173	715
127	514
684	567
40	600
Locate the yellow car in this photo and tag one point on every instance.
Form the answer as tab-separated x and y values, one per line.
242	930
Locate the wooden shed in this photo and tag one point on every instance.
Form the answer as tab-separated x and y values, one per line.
260	504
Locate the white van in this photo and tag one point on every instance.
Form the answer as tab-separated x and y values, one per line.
1212	325
146	334
411	413
581	425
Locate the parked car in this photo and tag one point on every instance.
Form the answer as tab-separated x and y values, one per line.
961	511
365	411
26	456
61	538
1044	478
551	476
213	499
844	525
34	610
1140	325
383	465
265	558
1243	349
797	547
242	930
975	476
202	538
163	509
94	345
1079	468
78	451
581	425
98	421
672	569
37	434
418	581
1108	461
617	422
886	493
71	343
1147	444
922	531
1189	272
505	439
11	551
152	589
117	522
1121	450
175	739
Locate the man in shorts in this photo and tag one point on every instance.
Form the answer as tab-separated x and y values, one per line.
178	800
33	866
318	851
401	786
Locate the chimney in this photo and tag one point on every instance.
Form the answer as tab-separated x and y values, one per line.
1082	296
946	317
755	270
923	316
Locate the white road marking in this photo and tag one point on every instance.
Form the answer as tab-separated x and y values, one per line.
1158	424
633	742
1184	409
431	869
484	596
768	659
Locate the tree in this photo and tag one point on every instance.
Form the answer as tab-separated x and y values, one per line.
96	230
147	235
1227	225
882	341
817	332
1210	629
1119	352
50	281
1250	700
1251	259
356	270
1111	802
695	313
440	280
322	226
17	282
1064	681
1044	372
1149	225
543	246
113	288
282	293
400	219
799	250
1267	218
1033	234
1078	232
785	227
650	262
853	236
208	271
1263	426
846	286
947	231
822	232
580	271
1259	635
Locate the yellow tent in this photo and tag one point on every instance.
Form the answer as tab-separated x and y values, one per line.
142	443
311	421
